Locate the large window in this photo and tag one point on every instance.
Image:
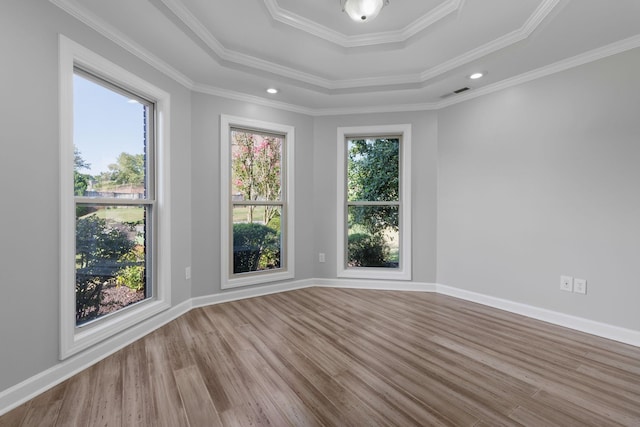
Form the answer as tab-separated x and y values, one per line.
113	199
257	210
114	196
374	196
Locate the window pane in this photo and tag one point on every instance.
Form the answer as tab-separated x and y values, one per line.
111	267
373	237
257	238
110	136
255	166
373	169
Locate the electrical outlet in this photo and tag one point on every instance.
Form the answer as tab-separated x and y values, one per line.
321	257
187	273
566	283
580	286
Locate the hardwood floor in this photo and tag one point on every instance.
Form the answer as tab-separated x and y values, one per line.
340	357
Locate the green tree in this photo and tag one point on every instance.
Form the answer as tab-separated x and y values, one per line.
256	166
80	180
128	169
373	175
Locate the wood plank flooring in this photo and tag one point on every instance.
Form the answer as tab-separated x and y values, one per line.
341	357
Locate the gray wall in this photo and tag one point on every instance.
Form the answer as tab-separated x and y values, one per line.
424	190
510	190
541	180
206	111
29	235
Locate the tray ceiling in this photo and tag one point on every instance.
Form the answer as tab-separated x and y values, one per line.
412	56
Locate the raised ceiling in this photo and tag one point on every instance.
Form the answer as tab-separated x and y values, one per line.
412	56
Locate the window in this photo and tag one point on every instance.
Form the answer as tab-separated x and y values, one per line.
257	239
374	220
113	199
114	196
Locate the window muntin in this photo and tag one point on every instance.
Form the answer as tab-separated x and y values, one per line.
374	210
373	202
257	202
114	197
73	339
261	209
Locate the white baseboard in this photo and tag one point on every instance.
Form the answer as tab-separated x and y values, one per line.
39	383
383	285
603	330
251	292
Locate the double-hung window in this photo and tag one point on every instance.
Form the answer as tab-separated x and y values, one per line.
374	219
257	208
113	205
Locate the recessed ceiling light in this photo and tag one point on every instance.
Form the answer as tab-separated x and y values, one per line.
476	76
272	90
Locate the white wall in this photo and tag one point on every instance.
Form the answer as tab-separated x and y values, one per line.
206	111
29	220
543	179
424	175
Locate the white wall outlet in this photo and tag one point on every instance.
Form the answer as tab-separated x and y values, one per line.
580	286
321	257
187	273
566	283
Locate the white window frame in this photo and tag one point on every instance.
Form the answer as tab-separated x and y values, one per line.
74	339
287	271
403	272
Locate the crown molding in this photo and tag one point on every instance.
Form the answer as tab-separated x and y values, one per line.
398	36
557	67
240	96
178	8
120	39
222	54
522	33
111	33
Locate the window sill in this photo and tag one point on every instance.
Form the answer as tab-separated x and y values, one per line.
257	279
374	273
85	336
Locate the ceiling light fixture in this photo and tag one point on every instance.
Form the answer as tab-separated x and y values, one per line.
475	76
363	10
272	90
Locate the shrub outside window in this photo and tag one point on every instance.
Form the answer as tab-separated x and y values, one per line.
256	199
374	195
115	249
114	197
257	210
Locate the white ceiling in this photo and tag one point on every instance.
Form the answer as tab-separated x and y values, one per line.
412	56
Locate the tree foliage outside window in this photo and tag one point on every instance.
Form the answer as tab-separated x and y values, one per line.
113	204
80	180
256	192
373	188
129	169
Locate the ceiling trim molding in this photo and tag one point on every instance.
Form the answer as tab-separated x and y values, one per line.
111	33
221	53
522	33
557	67
311	27
239	96
121	40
